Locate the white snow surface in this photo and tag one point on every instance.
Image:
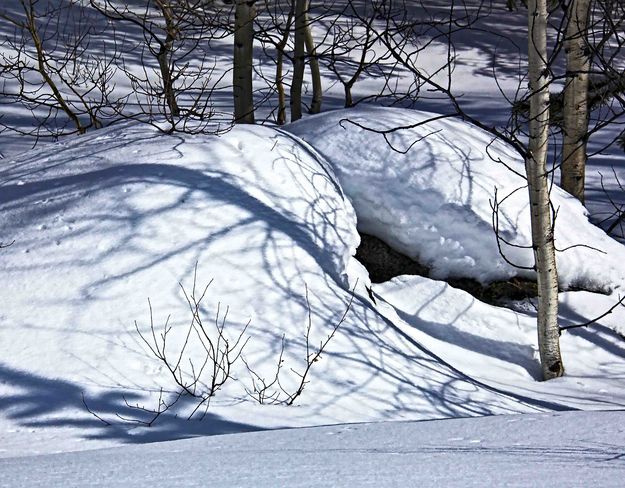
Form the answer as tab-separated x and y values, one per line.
576	449
105	221
426	188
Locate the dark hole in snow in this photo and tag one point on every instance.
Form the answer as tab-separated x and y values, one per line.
384	263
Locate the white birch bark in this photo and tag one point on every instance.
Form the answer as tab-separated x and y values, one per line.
538	186
315	73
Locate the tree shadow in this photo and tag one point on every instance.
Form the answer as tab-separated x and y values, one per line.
45	402
447	331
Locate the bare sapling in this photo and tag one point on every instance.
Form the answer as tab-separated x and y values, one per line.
198	375
272	392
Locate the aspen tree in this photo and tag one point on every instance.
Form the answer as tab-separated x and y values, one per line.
575	127
538	186
245	12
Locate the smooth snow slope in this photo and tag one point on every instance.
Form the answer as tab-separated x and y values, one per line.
432	199
574	449
105	221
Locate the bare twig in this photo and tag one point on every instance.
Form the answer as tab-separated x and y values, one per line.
84	402
201	378
272	391
596	319
153	414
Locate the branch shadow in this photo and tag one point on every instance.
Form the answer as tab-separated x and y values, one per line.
45	402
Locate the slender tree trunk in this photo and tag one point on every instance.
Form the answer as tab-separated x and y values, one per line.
573	168
299	60
315	105
281	120
538	186
243	58
348	95
280	66
163	57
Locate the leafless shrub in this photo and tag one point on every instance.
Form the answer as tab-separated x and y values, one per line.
272	392
348	51
56	65
197	376
174	82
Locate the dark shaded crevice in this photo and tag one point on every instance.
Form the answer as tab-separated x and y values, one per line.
385	263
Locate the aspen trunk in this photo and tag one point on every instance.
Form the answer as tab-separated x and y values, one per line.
538	186
243	57
573	168
281	119
299	60
279	67
315	105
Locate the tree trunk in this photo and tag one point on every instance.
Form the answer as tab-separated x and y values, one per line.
243	57
538	186
573	167
349	103
281	119
315	105
279	67
163	57
299	59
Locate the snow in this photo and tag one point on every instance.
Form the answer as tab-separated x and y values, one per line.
427	190
564	449
496	345
103	222
107	220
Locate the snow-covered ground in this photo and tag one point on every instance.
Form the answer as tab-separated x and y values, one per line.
575	449
103	222
110	219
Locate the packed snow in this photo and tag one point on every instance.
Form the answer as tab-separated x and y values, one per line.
428	190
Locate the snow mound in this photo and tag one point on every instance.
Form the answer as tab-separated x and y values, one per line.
107	220
432	200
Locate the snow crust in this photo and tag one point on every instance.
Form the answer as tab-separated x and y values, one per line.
433	199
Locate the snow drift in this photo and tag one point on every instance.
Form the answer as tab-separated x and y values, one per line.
107	220
110	219
431	198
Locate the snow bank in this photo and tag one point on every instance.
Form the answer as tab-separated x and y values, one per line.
433	202
106	220
498	345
